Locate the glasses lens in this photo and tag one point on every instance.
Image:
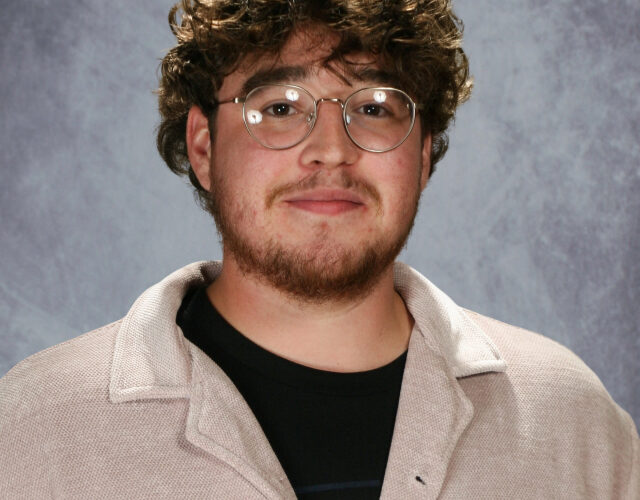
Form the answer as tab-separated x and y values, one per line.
279	116
379	119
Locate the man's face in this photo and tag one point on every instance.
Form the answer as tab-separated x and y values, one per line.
324	219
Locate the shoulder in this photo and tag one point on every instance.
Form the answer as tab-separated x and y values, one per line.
524	349
535	362
550	407
549	386
77	368
39	396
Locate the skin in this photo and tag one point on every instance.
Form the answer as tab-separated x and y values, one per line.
348	334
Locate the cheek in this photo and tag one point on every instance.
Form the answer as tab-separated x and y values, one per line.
401	184
248	177
403	175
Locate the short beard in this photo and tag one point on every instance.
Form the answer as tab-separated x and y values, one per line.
306	276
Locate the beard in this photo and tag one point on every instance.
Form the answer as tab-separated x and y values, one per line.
321	272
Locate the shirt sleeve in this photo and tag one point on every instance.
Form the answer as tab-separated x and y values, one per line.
24	469
634	477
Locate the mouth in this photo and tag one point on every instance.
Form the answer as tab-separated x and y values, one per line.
326	201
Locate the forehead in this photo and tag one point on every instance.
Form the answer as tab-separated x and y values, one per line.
303	56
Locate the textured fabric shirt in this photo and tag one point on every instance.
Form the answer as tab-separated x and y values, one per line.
331	432
133	410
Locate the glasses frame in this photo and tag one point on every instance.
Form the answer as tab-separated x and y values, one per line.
343	105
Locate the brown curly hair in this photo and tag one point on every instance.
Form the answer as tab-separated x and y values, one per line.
419	42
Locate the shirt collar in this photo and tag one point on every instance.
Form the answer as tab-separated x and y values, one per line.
152	359
446	328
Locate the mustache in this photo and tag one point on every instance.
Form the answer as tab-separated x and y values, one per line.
345	181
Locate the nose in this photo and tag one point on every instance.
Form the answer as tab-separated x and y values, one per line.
328	145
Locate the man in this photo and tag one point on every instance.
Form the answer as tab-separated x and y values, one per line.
307	363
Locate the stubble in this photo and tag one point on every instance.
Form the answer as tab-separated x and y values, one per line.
323	271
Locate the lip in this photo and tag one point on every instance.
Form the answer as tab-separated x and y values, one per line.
326	201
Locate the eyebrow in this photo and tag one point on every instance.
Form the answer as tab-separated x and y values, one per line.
274	75
283	74
373	75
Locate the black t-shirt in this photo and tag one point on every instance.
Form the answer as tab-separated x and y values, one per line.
330	431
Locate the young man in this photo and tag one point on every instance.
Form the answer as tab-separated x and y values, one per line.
307	363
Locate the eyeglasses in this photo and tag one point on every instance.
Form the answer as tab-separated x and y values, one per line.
281	116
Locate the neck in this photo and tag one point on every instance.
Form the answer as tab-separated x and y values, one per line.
357	334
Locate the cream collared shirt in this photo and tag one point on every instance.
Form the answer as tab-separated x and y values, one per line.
134	410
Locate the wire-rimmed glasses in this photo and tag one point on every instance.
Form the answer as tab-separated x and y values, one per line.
280	116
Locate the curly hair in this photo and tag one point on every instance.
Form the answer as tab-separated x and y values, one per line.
419	42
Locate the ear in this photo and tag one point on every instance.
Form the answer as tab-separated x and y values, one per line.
199	145
426	162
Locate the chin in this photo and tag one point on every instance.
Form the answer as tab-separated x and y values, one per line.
324	272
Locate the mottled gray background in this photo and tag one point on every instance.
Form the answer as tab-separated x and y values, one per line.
533	217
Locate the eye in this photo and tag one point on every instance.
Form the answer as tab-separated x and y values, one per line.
280	109
373	110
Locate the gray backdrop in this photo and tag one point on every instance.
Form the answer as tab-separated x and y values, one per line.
532	218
